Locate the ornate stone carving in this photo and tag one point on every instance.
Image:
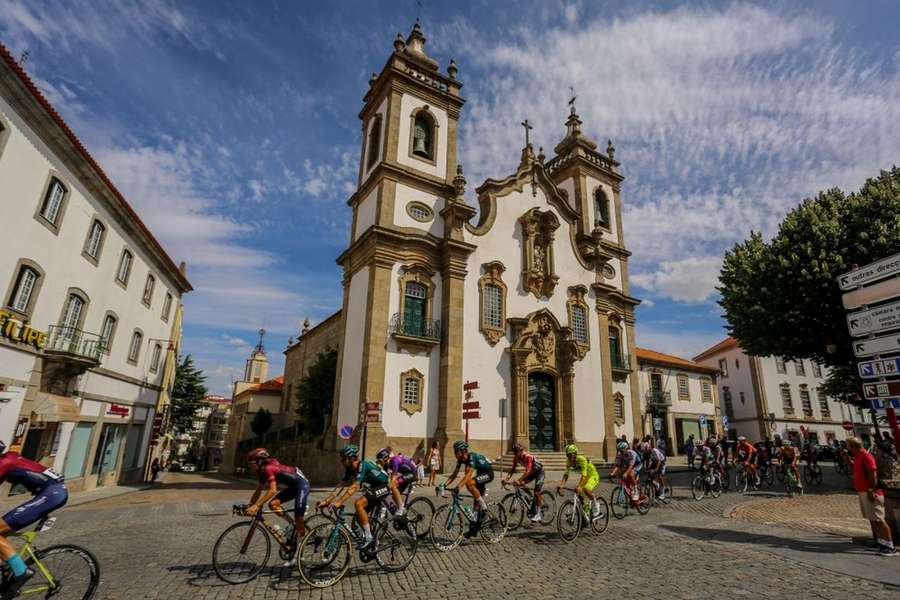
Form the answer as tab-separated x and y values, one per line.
538	233
492	323
543	340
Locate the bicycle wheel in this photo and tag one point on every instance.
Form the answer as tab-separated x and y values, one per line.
807	475
619	502
726	480
548	508
420	512
715	488
817	474
241	552
74	573
494	524
741	482
780	473
642	504
324	555
395	544
568	521
698	487
447	528
767	476
601	521
515	513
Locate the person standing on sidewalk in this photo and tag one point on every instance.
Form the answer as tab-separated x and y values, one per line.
434	463
871	495
154	470
689	450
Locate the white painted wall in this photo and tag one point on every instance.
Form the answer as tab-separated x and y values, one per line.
407	194
365	213
408	104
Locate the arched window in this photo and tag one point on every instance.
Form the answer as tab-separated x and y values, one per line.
108	331
167	307
25	290
615	347
124	267
579	323
493	302
619	406
73	312
414	308
601	208
411	384
134	350
147	298
374	145
423	134
94	240
53	202
154	359
493	305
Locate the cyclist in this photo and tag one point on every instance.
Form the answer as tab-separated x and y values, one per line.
589	477
791	458
404	471
656	466
705	454
534	471
718	456
478	473
745	452
359	473
811	454
271	474
629	463
48	494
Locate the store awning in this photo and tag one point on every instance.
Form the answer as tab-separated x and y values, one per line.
52	408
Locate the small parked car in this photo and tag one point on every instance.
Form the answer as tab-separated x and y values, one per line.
174	466
188	467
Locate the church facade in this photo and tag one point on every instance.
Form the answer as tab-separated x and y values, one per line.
526	296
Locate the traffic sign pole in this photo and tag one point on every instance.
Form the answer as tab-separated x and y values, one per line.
892	420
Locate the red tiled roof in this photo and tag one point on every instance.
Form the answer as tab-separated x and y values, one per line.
644	354
39	96
272	385
726	344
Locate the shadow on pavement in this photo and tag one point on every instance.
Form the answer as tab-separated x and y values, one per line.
816	543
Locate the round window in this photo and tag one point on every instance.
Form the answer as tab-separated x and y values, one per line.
419	212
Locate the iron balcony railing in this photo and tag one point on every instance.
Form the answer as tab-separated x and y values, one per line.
415	327
69	340
621	362
659	398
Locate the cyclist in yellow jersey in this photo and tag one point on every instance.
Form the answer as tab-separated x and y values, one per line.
589	477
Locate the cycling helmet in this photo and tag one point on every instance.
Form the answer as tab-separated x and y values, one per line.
571	449
460	445
623	446
517	447
257	454
742	439
383	453
350	451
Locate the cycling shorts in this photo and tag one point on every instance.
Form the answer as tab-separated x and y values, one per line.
42	504
376	494
405	481
591	483
537	476
482	479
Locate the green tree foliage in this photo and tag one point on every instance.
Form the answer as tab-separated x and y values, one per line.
782	297
188	392
316	392
261	423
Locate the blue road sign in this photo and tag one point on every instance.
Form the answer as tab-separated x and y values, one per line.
870	369
702	420
881	404
725	421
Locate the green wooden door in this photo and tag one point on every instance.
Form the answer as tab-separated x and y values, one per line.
414	309
542	412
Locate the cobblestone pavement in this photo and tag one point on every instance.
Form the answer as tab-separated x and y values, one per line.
833	513
158	543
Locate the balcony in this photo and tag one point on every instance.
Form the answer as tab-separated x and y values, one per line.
658	398
74	344
620	362
416	333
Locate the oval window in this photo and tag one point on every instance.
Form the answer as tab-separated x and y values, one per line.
419	212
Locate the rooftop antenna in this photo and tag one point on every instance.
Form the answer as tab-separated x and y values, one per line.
572	99
23	58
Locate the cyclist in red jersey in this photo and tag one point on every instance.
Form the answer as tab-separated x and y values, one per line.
534	471
272	473
49	493
746	450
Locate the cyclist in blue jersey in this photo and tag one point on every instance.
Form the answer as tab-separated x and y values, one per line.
628	462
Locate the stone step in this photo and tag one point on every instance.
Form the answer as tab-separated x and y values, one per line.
552	461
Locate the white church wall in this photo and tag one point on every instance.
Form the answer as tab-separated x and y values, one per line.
408	104
365	213
351	369
406	194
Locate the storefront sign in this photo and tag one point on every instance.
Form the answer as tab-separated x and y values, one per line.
117	410
17	331
19	435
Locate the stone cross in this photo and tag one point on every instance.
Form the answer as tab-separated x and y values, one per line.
528	128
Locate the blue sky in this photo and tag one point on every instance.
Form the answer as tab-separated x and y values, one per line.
232	127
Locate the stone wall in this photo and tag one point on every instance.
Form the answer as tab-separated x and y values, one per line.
300	355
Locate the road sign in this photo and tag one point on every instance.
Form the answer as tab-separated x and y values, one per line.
702	420
470	385
470	415
877	345
884	389
725	421
871	272
872	294
372	417
657	424
471	405
873	320
345	432
881	405
879	368
847	425
373	406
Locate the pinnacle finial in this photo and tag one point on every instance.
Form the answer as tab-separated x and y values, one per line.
459	182
305	327
399	44
610	149
373	78
452	69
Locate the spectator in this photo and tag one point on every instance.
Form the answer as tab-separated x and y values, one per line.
689	450
420	470
871	495
661	445
154	470
434	463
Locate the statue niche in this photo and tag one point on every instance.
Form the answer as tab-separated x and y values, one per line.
538	233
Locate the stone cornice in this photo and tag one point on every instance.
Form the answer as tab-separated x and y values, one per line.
401	174
400	72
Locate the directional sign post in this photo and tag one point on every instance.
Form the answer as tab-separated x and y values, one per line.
887	367
887	344
884	290
725	422
870	273
470	406
884	389
874	320
886	404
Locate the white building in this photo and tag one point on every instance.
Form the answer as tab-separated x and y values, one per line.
765	396
531	300
90	298
678	398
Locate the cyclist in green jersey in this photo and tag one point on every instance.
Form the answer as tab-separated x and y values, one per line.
478	473
589	477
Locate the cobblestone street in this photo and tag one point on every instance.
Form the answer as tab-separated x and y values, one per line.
157	544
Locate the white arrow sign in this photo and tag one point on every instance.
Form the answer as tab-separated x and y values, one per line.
879	345
871	294
879	368
873	320
871	272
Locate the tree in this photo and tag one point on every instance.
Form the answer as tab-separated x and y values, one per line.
316	392
261	423
782	297
188	392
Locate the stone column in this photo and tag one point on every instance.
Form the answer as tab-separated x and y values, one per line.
567	426
450	394
633	377
331	441
371	387
609	414
519	404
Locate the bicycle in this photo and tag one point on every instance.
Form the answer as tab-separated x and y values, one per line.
792	484
742	479
574	515
766	473
708	481
812	474
657	488
63	570
243	549
419	512
521	501
323	557
622	500
447	524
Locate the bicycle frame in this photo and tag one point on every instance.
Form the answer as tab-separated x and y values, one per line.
260	521
27	552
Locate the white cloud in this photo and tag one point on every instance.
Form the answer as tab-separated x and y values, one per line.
687	280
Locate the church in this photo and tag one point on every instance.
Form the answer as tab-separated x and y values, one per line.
520	305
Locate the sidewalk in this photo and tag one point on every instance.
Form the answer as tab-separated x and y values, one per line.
76	498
